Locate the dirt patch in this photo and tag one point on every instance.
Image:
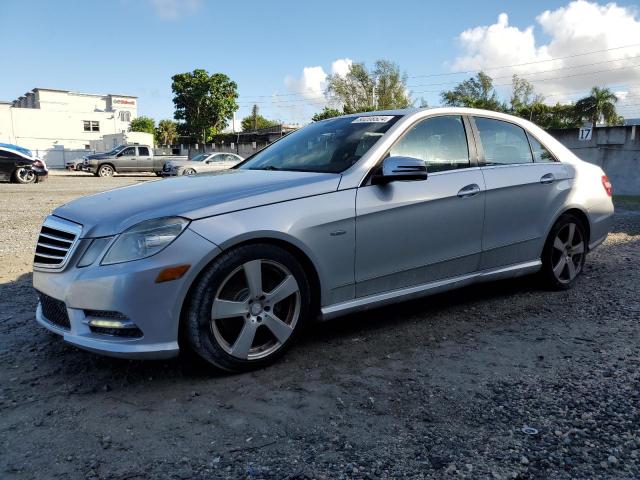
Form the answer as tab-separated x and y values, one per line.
432	388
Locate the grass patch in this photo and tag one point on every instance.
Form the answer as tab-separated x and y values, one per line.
627	201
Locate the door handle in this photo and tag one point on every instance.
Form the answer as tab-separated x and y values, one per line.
469	191
547	178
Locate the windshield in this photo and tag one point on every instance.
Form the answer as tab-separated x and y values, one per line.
115	150
330	146
200	157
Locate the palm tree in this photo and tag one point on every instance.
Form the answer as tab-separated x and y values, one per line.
601	103
166	132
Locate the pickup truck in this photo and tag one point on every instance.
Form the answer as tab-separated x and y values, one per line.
125	159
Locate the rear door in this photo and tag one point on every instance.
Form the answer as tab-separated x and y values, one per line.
127	160
521	194
416	232
145	160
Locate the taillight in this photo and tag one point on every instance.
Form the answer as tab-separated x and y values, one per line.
607	185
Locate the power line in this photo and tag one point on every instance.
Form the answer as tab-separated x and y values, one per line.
309	101
490	68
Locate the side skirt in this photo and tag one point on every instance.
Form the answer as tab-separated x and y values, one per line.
408	293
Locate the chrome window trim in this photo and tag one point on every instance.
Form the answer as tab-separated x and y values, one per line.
66	226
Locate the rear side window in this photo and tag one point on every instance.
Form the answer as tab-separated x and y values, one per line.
440	142
143	151
540	153
503	143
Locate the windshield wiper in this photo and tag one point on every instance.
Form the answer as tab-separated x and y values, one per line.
268	167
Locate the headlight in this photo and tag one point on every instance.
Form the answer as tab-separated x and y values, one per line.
145	239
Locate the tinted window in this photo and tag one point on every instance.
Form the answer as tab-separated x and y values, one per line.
440	142
143	151
540	153
329	146
129	151
503	143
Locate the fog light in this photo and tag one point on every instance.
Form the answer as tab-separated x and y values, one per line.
110	324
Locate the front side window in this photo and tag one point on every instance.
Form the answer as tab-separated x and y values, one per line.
540	152
440	142
129	151
503	143
329	146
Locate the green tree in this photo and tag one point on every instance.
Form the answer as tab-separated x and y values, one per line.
523	94
205	103
143	124
476	92
255	121
166	132
326	113
361	90
600	104
550	116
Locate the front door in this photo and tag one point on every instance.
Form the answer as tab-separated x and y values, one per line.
521	194
415	232
127	160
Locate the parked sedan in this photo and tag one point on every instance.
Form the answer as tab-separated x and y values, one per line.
203	162
20	166
343	215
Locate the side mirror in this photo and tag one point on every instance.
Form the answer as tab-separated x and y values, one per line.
400	169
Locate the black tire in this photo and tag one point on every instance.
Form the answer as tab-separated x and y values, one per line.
24	175
105	170
200	332
552	254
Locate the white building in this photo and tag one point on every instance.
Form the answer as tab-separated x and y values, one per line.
59	125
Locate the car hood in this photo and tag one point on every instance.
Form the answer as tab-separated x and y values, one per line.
192	197
98	156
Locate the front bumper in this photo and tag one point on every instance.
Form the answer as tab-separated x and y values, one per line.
129	289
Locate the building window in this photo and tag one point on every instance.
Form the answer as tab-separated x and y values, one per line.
87	147
91	126
125	116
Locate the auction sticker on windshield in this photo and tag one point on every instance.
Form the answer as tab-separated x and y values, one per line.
373	119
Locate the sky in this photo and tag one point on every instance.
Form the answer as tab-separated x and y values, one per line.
279	53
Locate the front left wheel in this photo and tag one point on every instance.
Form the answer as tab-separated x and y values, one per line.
247	308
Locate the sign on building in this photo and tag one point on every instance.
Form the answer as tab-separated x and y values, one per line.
584	134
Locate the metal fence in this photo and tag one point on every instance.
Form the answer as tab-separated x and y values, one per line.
58	157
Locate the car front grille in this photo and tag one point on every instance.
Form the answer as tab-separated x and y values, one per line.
55	243
54	311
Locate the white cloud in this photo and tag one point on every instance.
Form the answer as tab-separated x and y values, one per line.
172	9
576	28
306	93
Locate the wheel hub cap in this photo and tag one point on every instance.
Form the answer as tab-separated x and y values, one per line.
256	309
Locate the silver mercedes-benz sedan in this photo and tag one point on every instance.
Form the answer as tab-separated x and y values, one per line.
343	215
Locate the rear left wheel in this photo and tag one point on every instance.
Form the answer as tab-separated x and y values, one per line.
564	253
247	308
24	175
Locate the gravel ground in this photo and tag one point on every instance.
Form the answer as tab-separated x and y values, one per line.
435	388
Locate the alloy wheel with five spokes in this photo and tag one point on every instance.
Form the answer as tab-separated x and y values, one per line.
248	307
564	252
252	318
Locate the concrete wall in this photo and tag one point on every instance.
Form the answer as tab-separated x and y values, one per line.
615	149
